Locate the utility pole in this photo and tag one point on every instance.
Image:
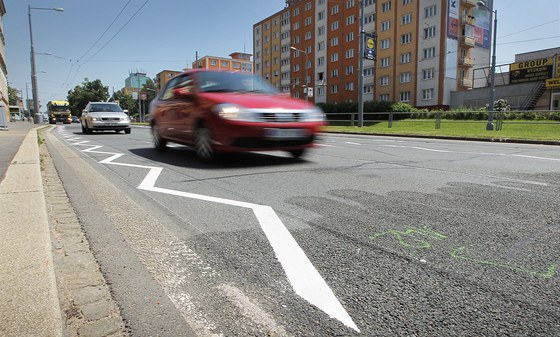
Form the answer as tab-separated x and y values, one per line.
361	68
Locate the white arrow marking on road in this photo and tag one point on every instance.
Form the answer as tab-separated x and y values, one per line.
304	278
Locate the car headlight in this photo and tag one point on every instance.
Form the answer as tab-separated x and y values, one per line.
93	119
314	115
235	112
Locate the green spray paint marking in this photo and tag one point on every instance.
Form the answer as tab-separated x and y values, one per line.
551	271
409	238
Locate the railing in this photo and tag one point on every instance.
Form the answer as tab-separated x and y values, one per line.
467	41
439	117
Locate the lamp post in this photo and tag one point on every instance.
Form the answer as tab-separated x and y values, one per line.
490	124
306	81
37	118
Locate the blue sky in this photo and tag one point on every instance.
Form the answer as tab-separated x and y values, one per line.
166	34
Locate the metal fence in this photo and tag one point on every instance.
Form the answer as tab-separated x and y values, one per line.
437	117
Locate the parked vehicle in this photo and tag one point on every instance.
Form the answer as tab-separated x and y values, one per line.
103	116
218	111
75	119
16	113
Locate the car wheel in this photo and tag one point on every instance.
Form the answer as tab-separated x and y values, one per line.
127	131
203	144
84	130
159	143
297	153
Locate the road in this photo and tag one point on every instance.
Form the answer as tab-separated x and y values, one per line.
366	236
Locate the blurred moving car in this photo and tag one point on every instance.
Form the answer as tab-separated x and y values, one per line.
219	111
102	116
75	119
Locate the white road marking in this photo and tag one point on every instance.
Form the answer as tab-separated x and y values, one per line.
304	278
351	143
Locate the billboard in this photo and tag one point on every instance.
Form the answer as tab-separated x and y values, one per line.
479	30
531	71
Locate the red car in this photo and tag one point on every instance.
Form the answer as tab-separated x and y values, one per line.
218	111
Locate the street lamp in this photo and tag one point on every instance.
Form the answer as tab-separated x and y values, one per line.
490	125
306	81
37	118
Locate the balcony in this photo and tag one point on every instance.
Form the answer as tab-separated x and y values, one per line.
466	62
468	20
470	3
466	83
467	41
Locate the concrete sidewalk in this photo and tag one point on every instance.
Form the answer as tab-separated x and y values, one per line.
28	292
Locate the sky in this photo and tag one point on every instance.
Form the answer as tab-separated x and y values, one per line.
108	39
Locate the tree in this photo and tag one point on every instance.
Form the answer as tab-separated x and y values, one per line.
13	97
125	101
88	91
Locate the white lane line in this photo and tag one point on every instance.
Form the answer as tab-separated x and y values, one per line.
351	143
304	278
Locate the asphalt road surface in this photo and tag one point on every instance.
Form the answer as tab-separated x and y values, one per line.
366	236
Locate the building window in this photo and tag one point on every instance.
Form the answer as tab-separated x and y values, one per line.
385	25
385	62
406	38
349	70
384	97
369	19
405	96
308	6
308	35
213	62
350	37
307	21
321	30
334	57
321	61
334	41
428	74
385	44
386	6
368	89
320	91
350	53
335	9
428	94
350	20
429	52
350	3
308	50
384	80
349	86
334	88
334	25
334	73
296	26
405	58
406	2
321	15
406	19
429	32
405	77
296	67
368	72
296	39
430	11
321	45
296	12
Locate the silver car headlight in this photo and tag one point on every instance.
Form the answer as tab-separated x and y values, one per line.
314	115
235	112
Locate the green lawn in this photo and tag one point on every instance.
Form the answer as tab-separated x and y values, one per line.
522	130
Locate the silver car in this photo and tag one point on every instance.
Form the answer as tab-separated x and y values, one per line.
102	116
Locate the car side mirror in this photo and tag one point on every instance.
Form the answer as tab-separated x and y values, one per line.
84	111
125	111
182	93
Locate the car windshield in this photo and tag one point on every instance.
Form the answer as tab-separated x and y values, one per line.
105	108
216	81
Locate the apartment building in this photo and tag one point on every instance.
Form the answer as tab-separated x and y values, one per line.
238	61
424	49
